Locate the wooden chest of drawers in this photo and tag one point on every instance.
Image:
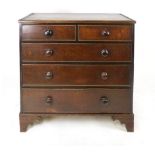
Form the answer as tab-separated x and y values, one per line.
76	64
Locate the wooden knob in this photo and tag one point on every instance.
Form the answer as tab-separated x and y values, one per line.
104	100
49	100
48	33
104	75
104	52
49	53
49	75
105	33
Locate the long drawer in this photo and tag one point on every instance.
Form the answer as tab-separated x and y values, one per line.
67	74
76	100
62	52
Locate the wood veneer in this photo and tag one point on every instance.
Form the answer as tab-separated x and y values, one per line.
76	64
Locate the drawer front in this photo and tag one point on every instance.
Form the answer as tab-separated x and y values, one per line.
105	32
51	52
64	74
76	100
48	33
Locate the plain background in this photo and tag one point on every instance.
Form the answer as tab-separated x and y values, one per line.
74	134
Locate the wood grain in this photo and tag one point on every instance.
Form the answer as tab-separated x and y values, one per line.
66	74
76	64
69	52
76	100
94	32
60	32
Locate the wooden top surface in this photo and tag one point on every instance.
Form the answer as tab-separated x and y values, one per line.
75	18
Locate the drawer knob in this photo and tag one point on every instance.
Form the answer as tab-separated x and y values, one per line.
105	33
49	75
49	53
48	33
49	100
104	100
104	52
104	75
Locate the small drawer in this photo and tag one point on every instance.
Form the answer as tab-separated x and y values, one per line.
105	32
63	52
65	74
97	100
48	32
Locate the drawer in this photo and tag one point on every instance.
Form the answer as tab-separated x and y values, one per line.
96	100
105	32
48	33
53	52
65	74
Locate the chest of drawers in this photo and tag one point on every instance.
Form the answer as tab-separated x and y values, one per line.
76	64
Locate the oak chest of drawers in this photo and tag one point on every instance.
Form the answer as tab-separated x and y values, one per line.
76	64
